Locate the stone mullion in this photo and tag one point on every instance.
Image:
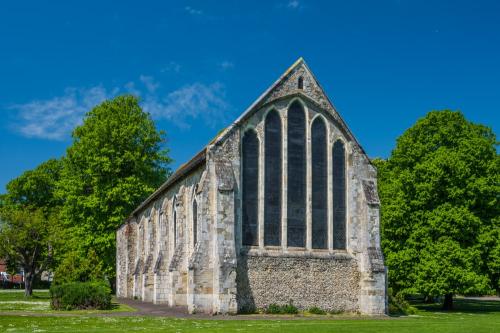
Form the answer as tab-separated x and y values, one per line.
284	187
347	180
261	180
308	182
143	256
330	189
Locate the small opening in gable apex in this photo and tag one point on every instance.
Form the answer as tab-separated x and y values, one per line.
300	83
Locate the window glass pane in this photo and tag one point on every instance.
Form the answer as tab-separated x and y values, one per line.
250	152
339	196
195	222
272	191
175	226
296	191
319	185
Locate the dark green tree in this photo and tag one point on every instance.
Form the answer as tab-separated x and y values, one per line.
115	161
36	188
31	226
25	239
440	211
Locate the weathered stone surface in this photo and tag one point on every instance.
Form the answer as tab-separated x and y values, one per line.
331	284
162	263
371	193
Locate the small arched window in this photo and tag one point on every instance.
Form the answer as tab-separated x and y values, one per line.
162	233
174	221
250	175
300	83
149	234
195	222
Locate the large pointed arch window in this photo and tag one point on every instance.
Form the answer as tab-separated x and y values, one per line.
319	184
250	175
296	175
273	180
339	195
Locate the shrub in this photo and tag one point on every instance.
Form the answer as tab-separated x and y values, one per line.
76	266
316	310
398	305
80	295
248	309
281	309
335	312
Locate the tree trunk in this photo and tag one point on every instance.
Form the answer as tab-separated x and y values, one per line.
28	283
448	302
429	299
112	283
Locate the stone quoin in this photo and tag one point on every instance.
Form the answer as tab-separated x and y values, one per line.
280	207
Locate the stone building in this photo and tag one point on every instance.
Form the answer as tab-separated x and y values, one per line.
280	207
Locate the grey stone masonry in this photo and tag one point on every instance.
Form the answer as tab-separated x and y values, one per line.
167	255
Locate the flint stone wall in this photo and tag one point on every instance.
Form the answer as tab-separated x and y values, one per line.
329	283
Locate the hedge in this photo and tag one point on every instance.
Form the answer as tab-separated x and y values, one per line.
80	295
281	309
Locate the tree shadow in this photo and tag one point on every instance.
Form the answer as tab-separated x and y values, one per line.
114	305
461	305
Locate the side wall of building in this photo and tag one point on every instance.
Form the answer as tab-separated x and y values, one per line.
158	259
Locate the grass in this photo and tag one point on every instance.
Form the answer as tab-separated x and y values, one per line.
468	316
39	302
18	295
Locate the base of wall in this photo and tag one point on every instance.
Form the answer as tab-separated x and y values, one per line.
372	300
328	283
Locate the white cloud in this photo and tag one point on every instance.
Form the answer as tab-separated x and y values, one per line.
226	65
55	118
294	4
171	67
193	101
149	82
130	88
193	11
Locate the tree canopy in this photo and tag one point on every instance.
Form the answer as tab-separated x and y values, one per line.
115	161
25	238
36	188
29	221
440	210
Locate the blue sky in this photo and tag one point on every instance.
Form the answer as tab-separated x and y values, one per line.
198	64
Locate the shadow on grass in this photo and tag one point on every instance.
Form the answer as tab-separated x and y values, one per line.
19	296
42	297
114	306
462	305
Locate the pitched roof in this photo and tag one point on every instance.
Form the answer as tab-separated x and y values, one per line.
269	96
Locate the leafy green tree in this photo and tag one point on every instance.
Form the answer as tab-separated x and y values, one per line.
25	238
36	188
78	268
440	210
28	195
116	160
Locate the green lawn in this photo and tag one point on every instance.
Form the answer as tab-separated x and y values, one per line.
469	316
14	301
